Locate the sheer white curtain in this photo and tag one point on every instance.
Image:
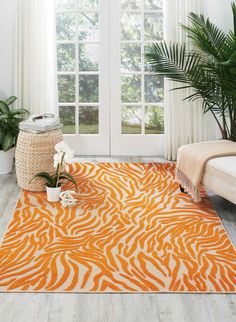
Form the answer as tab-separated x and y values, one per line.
36	56
184	121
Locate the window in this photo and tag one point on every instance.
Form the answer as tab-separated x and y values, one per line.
142	93
78	65
109	101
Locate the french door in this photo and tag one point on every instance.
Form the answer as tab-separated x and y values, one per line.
109	101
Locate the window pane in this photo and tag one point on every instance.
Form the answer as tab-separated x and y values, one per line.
88	89
65	4
65	26
130	4
66	88
130	57
154	120
67	116
88	26
131	120
88	120
131	89
88	4
153	4
66	58
88	57
153	26
147	66
154	89
131	26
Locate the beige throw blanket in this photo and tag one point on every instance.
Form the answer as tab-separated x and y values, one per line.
192	159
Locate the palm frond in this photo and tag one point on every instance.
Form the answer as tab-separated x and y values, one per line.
234	16
173	62
205	35
229	46
209	69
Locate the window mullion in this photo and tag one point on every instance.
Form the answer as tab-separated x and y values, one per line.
142	70
76	69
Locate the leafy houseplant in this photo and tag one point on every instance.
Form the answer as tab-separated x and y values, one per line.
54	181
209	69
9	129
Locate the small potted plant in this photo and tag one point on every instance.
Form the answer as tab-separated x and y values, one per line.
9	130
54	182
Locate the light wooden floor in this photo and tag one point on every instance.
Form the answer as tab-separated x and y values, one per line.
115	307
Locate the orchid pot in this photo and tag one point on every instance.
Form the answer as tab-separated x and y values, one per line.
53	194
54	182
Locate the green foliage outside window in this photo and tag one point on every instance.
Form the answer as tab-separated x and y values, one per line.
87	88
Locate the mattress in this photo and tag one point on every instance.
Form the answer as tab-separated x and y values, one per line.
220	177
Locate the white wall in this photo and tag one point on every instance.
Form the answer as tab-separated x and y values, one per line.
219	11
7	47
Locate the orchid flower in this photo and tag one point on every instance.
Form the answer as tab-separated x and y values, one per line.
64	155
62	158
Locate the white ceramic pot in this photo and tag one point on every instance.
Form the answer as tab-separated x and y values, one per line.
6	161
53	194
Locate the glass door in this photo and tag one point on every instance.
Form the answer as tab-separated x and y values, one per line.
109	101
83	76
137	95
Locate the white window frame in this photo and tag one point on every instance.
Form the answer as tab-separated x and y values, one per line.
110	140
92	144
128	144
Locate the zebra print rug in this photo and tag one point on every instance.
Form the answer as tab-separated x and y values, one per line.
131	231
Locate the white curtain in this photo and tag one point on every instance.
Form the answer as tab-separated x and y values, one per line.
36	56
184	121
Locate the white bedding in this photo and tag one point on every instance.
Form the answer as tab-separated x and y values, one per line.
220	177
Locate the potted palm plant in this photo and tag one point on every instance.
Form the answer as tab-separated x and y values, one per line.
54	181
9	129
209	69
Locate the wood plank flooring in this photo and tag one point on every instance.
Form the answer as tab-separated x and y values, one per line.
114	307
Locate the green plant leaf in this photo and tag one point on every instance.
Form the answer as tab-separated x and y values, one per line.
234	15
174	62
44	175
9	123
11	100
67	176
205	35
4	117
2	134
8	141
4	108
54	180
20	111
209	69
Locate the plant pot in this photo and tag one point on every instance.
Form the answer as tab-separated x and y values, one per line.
6	161
53	194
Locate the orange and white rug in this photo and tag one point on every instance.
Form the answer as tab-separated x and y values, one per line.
132	231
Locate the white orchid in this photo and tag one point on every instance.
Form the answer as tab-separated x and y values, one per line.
62	147
63	156
57	160
69	157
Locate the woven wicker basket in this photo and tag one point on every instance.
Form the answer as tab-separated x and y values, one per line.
34	153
